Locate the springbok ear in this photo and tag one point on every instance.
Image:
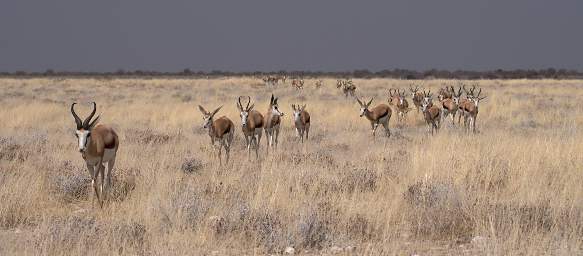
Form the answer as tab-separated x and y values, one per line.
368	104
202	110
304	107
272	99
251	107
216	111
359	102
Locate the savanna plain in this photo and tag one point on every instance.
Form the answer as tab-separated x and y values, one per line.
513	188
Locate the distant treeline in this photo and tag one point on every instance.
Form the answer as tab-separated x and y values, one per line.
549	73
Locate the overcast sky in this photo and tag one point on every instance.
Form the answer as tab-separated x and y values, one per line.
271	35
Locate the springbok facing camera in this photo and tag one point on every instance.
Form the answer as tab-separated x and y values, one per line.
381	114
98	145
431	112
272	123
301	121
416	97
471	111
251	125
451	106
398	100
221	129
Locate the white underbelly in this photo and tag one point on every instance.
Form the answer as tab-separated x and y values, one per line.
108	155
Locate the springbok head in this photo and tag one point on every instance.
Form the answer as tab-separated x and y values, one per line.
297	111
476	99
207	117
427	100
401	96
273	106
83	131
413	90
244	111
470	93
364	107
456	95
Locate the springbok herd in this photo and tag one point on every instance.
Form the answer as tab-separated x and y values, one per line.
98	143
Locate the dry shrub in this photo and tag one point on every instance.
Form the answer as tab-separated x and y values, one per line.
123	183
67	234
192	165
436	210
266	227
354	179
146	136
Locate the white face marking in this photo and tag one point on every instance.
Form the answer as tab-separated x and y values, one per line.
207	121
456	100
401	100
297	115
362	111
275	111
244	117
83	137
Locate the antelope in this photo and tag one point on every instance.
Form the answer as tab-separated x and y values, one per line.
349	88
272	123
319	84
444	93
98	144
221	129
251	125
301	121
381	114
469	96
416	97
431	112
471	111
298	83
451	106
398	100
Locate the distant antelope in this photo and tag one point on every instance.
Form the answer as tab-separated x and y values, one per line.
319	84
451	106
301	121
431	112
298	83
445	93
471	111
398	100
98	145
381	114
468	99
221	129
416	97
272	123
251	125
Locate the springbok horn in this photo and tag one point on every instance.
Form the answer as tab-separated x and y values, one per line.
88	119
77	119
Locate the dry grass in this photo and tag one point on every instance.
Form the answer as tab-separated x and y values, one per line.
513	188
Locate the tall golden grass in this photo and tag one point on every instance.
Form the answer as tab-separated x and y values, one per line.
515	187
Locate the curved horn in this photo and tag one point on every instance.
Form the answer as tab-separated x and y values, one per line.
391	92
88	119
77	119
248	102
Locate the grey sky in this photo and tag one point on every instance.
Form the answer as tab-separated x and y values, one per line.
271	35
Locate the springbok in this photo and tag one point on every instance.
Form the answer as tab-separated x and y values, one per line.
445	93
98	144
381	114
221	129
319	83
416	97
298	83
451	106
301	121
272	123
468	99
431	112
398	100
471	111
251	125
